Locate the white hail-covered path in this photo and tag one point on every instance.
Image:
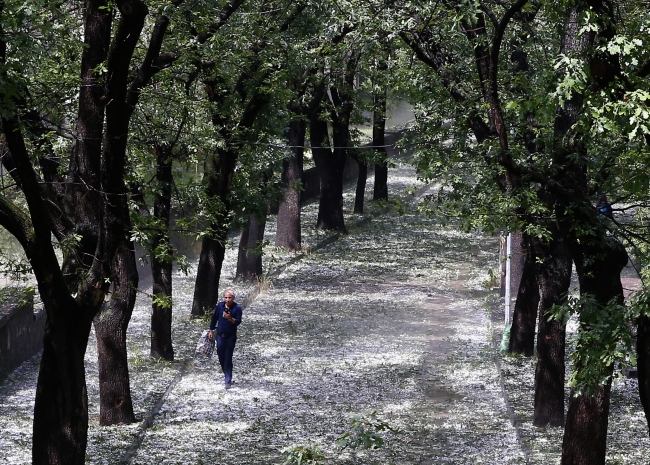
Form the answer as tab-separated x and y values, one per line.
394	318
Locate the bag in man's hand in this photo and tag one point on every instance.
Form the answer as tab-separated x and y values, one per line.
205	346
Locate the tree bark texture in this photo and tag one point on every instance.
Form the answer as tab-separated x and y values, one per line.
61	403
288	233
330	166
95	208
111	322
554	279
361	185
161	261
60	426
598	259
599	262
585	432
380	191
249	259
524	318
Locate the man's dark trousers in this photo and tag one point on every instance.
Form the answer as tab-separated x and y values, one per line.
225	348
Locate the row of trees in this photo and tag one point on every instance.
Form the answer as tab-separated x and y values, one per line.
540	133
106	107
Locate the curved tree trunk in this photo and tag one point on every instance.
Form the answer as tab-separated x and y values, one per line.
288	233
115	245
554	277
249	259
524	318
115	404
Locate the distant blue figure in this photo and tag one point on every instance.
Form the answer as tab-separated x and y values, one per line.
604	207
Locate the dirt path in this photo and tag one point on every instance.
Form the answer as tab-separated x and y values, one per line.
389	320
392	319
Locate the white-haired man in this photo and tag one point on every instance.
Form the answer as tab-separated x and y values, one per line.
226	318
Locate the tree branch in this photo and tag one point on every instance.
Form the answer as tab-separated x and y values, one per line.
490	14
16	221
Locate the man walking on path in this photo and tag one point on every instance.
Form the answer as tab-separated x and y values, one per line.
226	318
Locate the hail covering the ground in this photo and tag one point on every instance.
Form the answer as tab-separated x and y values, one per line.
397	318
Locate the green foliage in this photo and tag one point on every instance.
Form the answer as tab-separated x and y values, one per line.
17	269
366	432
23	296
162	301
297	455
604	339
27	295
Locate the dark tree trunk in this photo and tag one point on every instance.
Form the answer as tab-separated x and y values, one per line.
111	323
94	202
288	234
330	171
115	404
206	287
554	278
61	404
524	318
249	259
585	432
161	313
599	262
598	259
361	184
341	113
219	171
61	407
378	142
643	363
161	261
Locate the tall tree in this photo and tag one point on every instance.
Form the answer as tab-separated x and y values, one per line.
250	96
88	216
86	210
288	233
309	105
